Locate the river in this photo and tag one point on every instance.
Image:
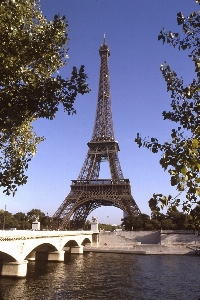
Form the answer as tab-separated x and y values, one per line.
107	276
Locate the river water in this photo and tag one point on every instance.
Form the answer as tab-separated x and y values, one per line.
99	276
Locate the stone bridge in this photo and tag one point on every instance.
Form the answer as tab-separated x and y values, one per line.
19	246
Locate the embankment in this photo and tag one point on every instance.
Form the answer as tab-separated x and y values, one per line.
148	242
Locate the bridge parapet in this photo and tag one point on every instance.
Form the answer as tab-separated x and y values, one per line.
9	235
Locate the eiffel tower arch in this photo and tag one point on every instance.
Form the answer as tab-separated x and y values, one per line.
89	192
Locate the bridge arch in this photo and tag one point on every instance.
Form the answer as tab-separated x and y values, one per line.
39	247
71	243
86	241
85	207
4	256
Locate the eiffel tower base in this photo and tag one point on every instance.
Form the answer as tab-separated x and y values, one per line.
87	195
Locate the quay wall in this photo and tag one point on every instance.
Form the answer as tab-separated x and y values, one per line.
167	237
179	237
129	237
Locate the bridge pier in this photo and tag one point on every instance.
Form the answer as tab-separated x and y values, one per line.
14	268
77	250
46	255
95	239
56	255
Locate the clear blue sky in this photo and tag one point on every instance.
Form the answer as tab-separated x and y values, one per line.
138	94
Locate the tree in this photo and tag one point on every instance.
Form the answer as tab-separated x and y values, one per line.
181	156
32	50
140	222
35	214
7	220
22	220
87	225
195	214
154	225
167	224
45	222
105	227
179	219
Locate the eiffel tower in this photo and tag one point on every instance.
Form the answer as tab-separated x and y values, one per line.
89	192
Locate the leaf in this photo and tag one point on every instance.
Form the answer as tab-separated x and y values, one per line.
153	203
173	208
184	170
195	143
197	180
198	191
164	200
180	18
184	47
161	37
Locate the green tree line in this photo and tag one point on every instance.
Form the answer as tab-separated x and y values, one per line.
23	221
172	220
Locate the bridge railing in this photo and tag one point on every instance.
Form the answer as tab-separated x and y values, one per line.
6	235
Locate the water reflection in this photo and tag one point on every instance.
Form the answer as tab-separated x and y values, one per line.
108	276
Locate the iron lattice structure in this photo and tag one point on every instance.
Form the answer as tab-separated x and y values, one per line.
89	192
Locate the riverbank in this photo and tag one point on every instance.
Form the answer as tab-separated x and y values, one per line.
148	249
182	242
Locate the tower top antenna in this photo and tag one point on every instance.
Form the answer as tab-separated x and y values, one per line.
104	47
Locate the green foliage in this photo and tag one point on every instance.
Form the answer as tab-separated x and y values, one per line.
35	214
87	225
7	220
136	223
195	214
181	156
107	227
172	220
32	50
24	221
